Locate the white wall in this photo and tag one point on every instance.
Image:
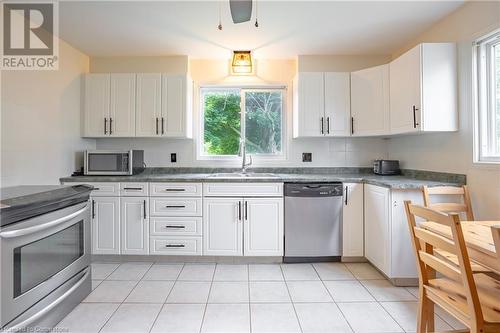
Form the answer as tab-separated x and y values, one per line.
40	121
326	152
452	152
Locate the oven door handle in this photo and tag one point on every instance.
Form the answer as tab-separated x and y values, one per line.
38	228
26	323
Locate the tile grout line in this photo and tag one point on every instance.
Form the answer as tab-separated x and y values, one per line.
208	297
333	299
249	304
291	300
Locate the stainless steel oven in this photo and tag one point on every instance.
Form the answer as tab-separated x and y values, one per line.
113	162
44	267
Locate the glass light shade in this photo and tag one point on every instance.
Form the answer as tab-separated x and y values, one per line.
242	62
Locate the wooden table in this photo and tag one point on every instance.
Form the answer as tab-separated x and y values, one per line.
479	240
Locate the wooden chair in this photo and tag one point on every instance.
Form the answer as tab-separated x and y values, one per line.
473	299
450	207
495	231
464	207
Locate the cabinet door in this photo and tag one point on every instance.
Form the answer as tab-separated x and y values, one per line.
309	103
174	106
405	92
337	104
97	92
105	225
352	226
122	109
148	105
263	227
370	101
134	225
222	226
377	227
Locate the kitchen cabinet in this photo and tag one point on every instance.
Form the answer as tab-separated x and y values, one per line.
352	222
377	227
222	222
321	104
148	105
423	89
109	105
96	105
370	101
105	215
134	223
263	226
176	106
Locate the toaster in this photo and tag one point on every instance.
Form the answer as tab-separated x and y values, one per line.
386	167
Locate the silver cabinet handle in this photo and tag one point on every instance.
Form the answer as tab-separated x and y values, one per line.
105	126
175	206
239	210
415	123
327	125
346	194
133	188
21	327
38	228
175	226
162	125
322	126
93	209
352	125
157	125
110	125
246	210
175	189
175	245
144	210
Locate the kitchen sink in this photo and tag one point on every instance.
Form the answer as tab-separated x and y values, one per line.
243	175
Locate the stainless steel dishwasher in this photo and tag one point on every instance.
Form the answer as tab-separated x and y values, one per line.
313	216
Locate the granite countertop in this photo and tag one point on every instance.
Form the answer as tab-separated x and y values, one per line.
410	179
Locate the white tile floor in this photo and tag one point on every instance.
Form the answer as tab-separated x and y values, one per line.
324	297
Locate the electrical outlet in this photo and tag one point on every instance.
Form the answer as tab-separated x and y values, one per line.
173	157
307	157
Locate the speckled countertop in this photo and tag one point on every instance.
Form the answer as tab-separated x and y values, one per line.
410	179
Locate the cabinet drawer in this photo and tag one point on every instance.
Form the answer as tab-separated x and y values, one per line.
243	189
176	226
101	189
175	189
173	245
134	189
175	206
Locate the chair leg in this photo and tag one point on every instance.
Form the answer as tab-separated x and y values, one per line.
422	312
430	315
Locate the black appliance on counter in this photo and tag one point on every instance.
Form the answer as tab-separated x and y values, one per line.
386	167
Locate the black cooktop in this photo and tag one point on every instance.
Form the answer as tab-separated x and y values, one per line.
22	202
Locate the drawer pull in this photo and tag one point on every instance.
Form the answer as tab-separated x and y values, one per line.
175	245
175	206
175	226
175	189
96	189
133	188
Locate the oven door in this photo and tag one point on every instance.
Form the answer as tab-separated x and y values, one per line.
40	254
108	163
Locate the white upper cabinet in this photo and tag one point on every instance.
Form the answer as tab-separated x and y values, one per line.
321	104
148	107
122	106
96	109
370	101
109	105
337	104
423	89
176	107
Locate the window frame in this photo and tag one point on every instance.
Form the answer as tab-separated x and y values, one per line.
485	146
200	153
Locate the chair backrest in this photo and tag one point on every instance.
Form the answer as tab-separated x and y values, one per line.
425	242
495	230
449	207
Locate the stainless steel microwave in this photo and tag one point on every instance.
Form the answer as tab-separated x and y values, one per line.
113	162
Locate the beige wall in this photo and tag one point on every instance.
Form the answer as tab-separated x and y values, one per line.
339	63
40	121
452	152
170	64
326	152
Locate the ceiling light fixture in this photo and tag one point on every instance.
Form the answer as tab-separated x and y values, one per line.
241	11
242	63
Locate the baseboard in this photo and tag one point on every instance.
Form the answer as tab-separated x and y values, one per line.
187	259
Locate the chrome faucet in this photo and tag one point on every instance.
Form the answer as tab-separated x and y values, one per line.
243	154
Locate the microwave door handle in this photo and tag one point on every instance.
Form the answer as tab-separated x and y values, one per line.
41	227
29	321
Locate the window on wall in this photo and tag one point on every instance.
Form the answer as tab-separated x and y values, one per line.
232	115
488	99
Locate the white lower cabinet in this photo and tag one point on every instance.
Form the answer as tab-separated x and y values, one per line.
105	225
176	245
134	225
387	239
352	225
263	227
222	227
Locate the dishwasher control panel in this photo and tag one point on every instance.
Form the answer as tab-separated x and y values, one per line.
313	190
